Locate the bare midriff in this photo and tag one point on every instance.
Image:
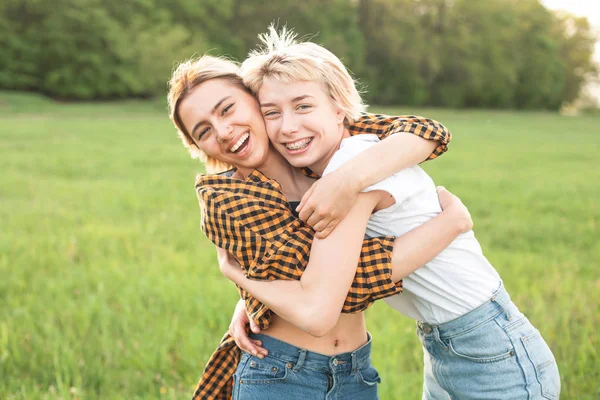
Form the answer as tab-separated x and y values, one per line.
347	335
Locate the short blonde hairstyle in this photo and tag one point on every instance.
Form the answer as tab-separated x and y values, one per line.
283	58
187	76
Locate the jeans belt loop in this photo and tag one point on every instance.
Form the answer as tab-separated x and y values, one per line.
300	361
504	303
354	362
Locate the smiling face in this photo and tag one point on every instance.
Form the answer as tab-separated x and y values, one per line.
225	122
302	122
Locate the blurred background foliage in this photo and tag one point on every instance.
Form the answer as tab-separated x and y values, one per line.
450	53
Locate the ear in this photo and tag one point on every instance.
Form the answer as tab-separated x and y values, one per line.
339	116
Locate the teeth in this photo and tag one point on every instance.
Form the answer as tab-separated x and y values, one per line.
300	144
240	142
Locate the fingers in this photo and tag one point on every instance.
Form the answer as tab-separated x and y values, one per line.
251	346
244	342
253	326
321	225
450	202
443	193
239	331
224	257
327	230
445	198
315	218
222	254
306	212
261	351
304	199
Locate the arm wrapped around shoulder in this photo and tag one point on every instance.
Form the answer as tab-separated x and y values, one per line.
261	232
386	125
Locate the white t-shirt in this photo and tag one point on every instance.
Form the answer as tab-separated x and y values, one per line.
457	280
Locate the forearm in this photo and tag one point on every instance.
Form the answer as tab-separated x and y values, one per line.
315	302
398	152
282	297
419	246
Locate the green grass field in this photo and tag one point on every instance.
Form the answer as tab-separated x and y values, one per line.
108	290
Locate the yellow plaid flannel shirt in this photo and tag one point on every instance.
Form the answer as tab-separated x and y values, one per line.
252	220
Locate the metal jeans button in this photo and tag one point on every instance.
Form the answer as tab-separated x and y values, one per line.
335	362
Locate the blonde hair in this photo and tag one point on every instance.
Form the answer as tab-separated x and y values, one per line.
186	77
283	58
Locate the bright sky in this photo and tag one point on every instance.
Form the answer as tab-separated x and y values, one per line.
586	8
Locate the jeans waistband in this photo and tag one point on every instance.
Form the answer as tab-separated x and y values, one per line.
500	302
302	358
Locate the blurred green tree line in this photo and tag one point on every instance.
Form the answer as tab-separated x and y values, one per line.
455	53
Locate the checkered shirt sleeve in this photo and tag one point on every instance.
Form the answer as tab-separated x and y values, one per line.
386	125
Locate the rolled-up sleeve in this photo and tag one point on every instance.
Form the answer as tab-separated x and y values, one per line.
386	125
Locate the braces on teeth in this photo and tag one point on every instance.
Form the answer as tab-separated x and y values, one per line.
298	145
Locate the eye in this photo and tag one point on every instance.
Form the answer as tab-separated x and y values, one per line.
271	113
304	107
226	109
203	132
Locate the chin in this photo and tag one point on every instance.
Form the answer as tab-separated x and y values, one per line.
301	162
254	161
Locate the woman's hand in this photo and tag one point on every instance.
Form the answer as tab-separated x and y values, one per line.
328	201
238	329
227	263
452	205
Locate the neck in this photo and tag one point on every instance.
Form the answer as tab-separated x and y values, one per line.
320	165
276	167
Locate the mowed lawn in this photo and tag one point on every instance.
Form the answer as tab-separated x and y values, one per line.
108	290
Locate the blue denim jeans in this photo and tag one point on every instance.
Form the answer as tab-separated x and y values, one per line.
292	373
492	352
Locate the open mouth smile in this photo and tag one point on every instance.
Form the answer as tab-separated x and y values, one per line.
241	144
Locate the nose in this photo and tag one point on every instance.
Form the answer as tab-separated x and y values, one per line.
289	125
224	133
